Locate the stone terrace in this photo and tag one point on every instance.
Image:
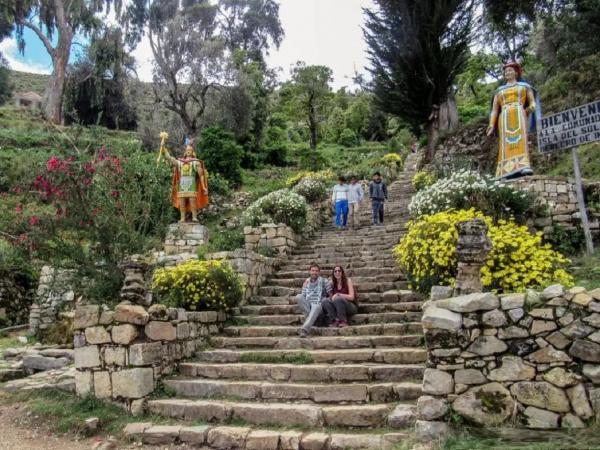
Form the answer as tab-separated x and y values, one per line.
340	386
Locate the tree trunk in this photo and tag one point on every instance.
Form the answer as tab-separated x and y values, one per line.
312	125
53	96
444	119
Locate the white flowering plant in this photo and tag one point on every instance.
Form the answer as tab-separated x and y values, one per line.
282	206
469	189
311	188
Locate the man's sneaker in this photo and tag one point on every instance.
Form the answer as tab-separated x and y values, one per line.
303	333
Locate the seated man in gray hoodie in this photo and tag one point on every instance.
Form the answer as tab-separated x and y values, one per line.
314	290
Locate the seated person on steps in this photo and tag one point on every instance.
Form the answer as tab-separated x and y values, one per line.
343	302
315	291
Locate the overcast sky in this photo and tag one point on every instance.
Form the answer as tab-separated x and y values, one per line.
326	32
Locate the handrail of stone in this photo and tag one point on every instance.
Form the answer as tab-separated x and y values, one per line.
492	359
123	354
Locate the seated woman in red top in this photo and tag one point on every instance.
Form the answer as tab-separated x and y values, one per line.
342	304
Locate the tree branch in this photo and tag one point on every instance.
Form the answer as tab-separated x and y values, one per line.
41	35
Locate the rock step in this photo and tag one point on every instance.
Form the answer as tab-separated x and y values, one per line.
358	272
356	280
357	319
303	414
367	286
400	355
318	343
317	393
365	308
355	330
391	296
327	263
246	438
309	373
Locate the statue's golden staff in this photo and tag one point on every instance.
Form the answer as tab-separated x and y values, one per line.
163	138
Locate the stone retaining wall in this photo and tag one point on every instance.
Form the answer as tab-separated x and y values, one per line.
533	360
558	193
252	268
185	237
123	354
54	293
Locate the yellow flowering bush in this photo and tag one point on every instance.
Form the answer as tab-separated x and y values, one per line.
518	259
423	179
321	175
199	285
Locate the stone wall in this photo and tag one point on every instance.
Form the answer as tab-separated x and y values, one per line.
15	301
533	360
123	354
252	268
185	237
558	193
54	294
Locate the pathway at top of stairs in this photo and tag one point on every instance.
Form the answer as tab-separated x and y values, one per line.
340	388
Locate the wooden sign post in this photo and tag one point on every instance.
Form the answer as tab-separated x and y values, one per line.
570	129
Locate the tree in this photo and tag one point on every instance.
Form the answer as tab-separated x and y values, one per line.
6	87
60	19
309	95
97	83
416	49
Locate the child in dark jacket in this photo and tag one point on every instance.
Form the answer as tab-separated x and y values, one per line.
378	195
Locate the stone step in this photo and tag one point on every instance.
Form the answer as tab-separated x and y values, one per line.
318	343
356	280
310	373
358	272
347	262
302	414
366	286
355	330
317	393
391	296
247	438
400	355
357	319
364	308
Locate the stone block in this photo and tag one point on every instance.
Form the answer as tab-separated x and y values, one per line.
84	383
439	318
39	362
314	441
124	334
474	404
87	357
133	383
183	331
441	292
97	335
161	434
403	416
134	314
579	401
494	318
430	430
289	440
572	421
262	440
555	290
194	435
541	394
160	331
145	354
561	378
478	301
437	382
548	355
585	350
227	437
540	418
135	430
592	372
487	345
512	301
102	386
86	316
558	340
355	441
431	408
106	317
542	326
468	377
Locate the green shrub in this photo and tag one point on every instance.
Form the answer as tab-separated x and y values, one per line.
221	154
266	251
199	286
348	138
226	240
283	206
567	241
218	185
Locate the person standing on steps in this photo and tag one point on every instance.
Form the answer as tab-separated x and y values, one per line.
315	291
378	195
343	301
355	197
339	199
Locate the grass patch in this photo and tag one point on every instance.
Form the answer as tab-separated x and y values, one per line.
260	182
586	270
265	358
66	413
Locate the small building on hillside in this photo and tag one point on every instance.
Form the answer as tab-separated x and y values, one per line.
29	100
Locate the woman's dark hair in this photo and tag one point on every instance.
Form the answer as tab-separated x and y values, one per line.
344	278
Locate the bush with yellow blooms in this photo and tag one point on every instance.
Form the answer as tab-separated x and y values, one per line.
199	286
423	179
518	259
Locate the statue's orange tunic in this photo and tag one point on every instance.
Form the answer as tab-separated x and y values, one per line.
190	180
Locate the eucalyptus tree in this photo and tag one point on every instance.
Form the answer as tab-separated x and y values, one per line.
56	23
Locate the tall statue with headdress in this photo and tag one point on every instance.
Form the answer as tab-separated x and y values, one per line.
512	117
189	188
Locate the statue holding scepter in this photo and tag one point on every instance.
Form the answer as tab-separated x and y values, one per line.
189	189
512	117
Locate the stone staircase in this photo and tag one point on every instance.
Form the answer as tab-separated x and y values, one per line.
338	388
